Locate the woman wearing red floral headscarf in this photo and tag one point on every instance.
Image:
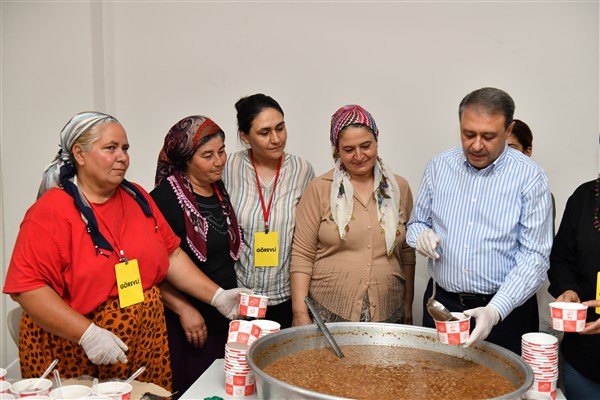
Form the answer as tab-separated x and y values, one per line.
349	251
190	194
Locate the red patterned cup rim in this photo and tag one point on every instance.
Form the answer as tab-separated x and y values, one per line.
266	325
548	357
240	371
539	339
233	358
236	360
563	305
236	347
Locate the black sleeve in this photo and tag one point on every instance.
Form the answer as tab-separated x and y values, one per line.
568	258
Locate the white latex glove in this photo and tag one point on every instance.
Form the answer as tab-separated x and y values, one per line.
485	319
102	347
427	242
227	301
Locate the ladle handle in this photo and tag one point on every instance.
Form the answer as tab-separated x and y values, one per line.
433	277
323	327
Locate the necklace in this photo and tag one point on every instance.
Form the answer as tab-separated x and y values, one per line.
597	208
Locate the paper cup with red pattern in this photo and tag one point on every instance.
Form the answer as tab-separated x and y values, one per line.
239	385
267	326
547	387
568	317
242	331
2	374
253	305
533	395
24	387
454	332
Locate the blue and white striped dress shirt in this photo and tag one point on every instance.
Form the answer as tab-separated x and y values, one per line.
495	225
240	181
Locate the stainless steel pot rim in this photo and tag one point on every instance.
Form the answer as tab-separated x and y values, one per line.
313	336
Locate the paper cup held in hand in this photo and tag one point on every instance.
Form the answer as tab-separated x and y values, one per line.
69	392
114	390
454	332
253	305
568	317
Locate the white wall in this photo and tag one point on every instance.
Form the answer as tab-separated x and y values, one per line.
409	63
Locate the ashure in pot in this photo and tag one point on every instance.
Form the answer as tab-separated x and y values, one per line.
292	340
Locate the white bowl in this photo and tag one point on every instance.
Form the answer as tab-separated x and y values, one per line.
69	392
115	390
22	388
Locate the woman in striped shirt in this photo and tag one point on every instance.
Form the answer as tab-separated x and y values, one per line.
265	184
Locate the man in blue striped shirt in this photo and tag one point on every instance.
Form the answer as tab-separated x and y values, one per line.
484	218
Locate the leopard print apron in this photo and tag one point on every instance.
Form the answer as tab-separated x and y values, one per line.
141	326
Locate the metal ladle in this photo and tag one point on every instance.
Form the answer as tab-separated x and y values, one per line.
323	327
436	309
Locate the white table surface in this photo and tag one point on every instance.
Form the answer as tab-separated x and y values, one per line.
212	383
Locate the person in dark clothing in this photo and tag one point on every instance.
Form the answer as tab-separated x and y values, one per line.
574	276
190	194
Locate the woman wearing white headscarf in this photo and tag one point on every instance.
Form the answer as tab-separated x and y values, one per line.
349	252
86	264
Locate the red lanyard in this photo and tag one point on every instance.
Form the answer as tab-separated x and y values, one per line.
266	211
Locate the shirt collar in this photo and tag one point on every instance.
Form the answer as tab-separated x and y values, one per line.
493	168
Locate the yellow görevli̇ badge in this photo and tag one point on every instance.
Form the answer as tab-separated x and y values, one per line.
129	283
266	249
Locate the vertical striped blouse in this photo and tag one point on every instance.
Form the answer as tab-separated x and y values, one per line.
495	225
240	181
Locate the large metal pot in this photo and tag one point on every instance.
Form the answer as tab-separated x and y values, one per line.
275	345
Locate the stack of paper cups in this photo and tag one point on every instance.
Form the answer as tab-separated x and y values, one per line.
266	326
540	351
239	379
